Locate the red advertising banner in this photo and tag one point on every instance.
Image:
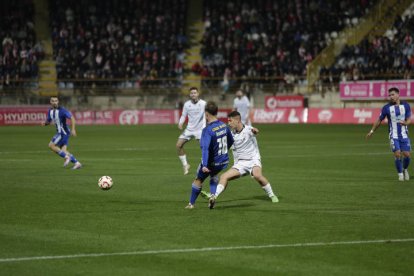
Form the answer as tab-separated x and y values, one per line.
343	115
280	115
35	115
11	116
90	117
375	90
222	114
127	117
273	102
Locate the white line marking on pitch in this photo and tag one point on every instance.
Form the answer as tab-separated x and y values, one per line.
205	249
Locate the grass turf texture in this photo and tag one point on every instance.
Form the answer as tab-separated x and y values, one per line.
333	186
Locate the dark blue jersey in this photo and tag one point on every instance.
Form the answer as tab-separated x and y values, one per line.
59	116
215	141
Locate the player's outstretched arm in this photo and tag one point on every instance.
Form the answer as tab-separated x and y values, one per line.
374	127
255	130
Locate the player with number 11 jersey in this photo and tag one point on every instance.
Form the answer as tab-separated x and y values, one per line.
216	139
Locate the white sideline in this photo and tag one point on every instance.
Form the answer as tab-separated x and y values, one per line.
205	249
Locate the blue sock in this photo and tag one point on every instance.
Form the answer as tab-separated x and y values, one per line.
195	191
73	159
62	154
406	162
213	185
398	165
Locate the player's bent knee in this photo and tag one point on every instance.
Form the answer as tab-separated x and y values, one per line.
179	145
224	179
260	179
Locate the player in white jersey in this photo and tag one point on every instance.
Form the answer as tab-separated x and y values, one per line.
398	114
194	109
246	158
242	104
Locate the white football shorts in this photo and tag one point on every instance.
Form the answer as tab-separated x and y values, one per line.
246	166
188	135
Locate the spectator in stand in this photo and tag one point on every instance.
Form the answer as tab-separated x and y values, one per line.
390	56
271	39
139	40
19	50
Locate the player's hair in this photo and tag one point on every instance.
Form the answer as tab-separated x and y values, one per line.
193	88
212	108
394	89
233	114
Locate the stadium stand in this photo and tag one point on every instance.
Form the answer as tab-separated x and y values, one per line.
19	50
139	47
271	39
390	56
141	41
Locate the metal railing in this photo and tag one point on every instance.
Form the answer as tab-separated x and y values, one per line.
271	84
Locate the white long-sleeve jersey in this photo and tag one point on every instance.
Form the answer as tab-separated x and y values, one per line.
245	145
196	115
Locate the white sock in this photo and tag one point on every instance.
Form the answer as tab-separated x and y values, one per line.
183	159
268	189
219	189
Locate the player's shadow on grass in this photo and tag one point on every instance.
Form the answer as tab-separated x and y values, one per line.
242	204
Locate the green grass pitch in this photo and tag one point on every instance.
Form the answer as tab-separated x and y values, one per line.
340	202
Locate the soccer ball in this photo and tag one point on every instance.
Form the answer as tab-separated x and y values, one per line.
105	182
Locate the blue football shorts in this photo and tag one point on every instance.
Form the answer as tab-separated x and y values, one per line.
213	171
402	144
60	140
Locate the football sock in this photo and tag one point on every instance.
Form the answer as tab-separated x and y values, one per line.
398	165
213	184
219	190
73	159
62	154
183	159
268	189
406	162
195	191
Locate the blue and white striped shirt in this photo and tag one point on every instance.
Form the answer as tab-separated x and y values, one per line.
59	116
394	114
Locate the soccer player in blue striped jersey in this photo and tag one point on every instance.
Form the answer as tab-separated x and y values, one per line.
398	114
216	139
59	142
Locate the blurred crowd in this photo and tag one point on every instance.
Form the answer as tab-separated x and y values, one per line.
267	39
19	50
390	56
139	40
134	42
